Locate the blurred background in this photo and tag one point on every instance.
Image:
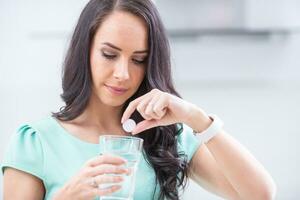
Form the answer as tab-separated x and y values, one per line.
236	58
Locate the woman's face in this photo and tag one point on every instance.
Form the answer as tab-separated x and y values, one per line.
118	57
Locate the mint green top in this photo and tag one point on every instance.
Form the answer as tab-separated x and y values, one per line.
46	150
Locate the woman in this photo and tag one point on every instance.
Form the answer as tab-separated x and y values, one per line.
118	67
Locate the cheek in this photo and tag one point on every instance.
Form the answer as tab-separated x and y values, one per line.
97	77
138	76
99	70
97	63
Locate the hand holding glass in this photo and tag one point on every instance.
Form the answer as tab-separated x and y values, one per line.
129	148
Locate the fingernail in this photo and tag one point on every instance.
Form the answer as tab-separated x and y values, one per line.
128	171
124	161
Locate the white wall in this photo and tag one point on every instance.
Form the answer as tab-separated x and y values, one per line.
251	82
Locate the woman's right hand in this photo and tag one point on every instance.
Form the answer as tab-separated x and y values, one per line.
84	185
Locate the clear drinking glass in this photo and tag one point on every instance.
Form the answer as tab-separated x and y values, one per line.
129	148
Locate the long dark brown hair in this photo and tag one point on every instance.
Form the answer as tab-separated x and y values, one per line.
160	143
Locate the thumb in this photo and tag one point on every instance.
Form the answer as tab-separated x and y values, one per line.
144	125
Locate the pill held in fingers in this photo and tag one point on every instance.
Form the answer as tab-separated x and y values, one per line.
129	125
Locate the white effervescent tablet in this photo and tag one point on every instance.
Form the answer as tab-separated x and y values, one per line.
129	125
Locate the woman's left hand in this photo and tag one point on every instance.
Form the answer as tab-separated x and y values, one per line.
161	109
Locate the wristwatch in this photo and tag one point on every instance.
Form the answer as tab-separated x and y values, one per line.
213	129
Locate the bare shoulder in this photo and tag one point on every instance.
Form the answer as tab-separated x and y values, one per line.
21	185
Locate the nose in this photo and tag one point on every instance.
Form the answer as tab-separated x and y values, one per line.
121	70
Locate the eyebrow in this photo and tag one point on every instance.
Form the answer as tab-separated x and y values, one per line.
119	49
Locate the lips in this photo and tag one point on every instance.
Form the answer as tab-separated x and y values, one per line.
116	90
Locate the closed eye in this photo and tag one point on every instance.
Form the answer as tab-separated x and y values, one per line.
112	56
139	62
109	56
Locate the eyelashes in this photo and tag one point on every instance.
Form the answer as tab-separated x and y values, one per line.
113	57
108	56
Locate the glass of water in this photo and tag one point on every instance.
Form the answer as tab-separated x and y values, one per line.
129	148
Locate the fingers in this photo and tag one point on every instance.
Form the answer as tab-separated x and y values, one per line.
131	108
106	169
158	107
106	159
105	191
150	106
100	179
152	109
144	125
141	107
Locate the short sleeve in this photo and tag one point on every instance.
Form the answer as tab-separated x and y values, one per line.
25	152
187	142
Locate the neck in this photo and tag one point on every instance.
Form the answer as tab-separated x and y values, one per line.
101	116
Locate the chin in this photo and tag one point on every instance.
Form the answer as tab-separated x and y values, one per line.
114	102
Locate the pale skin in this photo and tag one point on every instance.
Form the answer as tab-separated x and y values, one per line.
222	166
